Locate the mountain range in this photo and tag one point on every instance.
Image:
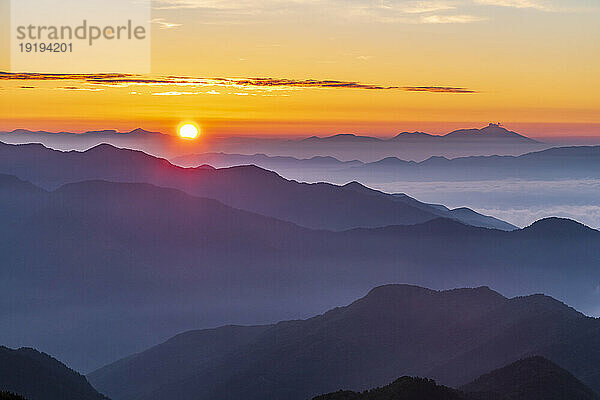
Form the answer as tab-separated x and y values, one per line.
533	378
452	336
490	140
318	206
577	162
493	139
151	142
492	132
405	388
129	264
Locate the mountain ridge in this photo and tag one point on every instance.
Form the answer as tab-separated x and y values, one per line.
555	163
533	378
393	330
318	205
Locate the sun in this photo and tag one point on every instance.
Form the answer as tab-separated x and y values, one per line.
188	130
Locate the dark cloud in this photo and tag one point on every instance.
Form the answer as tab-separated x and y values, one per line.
437	89
125	79
27	76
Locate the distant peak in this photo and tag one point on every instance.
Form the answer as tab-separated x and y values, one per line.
354	185
531	378
559	226
102	147
206	167
412	133
493	131
343	137
543	303
496	127
139	131
396	289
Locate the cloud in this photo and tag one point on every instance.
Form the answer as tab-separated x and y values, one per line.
174	93
534	4
383	11
26	76
520	202
437	89
162	24
451	19
263	84
79	89
524	216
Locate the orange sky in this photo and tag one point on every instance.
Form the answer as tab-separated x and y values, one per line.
529	64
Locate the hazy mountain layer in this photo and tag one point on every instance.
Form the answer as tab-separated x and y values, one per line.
319	206
451	336
557	163
130	264
490	140
534	378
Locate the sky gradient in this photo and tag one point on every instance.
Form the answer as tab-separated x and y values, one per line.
304	67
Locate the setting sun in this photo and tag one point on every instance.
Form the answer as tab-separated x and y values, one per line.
189	131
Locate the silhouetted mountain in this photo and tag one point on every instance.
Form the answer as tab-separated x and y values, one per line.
559	227
38	376
276	163
418	146
412	146
534	378
452	336
342	138
414	136
405	388
150	142
557	163
492	132
319	206
132	264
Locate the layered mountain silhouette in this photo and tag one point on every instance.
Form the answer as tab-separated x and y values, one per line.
577	162
131	264
405	388
452	336
151	142
490	140
557	163
36	376
534	378
492	132
493	139
319	206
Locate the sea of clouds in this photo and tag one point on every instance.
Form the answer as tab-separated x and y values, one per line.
519	202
